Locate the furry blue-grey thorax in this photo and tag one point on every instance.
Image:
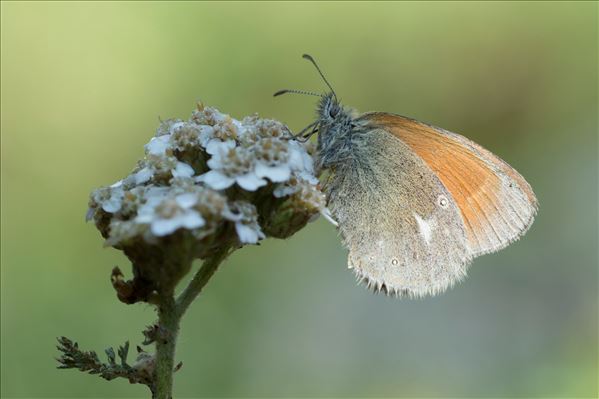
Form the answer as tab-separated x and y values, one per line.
337	131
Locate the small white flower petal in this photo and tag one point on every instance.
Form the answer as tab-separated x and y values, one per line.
114	203
326	213
89	215
310	178
247	234
215	146
162	227
176	126
117	184
158	145
238	125
187	200
232	216
250	182
129	181
216	180
154	195
182	170
192	220
279	173
296	160
143	175
145	214
111	206
299	159
283	191
144	219
206	134
217	161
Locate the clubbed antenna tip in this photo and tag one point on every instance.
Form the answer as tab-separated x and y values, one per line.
284	91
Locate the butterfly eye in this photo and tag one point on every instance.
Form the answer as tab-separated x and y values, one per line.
333	111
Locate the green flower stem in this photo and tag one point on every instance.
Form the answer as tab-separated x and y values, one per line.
170	312
168	321
200	279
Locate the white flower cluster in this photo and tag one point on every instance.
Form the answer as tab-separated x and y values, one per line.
194	174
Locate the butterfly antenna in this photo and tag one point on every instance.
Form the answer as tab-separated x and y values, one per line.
302	133
284	91
309	58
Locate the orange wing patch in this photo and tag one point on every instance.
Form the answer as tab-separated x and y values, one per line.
496	203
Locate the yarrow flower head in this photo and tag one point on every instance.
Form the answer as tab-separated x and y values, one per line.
205	187
208	182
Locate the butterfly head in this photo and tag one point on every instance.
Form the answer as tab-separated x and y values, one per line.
329	110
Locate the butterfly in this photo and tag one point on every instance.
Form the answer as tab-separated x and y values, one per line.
414	203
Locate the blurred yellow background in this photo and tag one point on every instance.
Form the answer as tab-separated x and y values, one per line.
83	86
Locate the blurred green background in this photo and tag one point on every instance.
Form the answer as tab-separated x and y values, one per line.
83	85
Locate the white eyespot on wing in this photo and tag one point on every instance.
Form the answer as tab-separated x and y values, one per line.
425	227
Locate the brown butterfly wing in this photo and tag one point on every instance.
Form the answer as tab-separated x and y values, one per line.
496	204
404	233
